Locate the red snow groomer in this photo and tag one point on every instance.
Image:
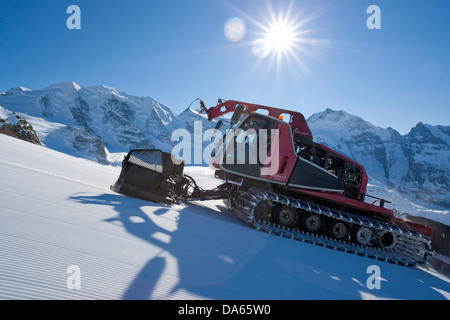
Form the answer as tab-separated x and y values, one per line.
279	180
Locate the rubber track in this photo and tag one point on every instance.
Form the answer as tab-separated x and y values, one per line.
411	248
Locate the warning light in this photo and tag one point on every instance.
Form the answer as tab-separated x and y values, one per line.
280	117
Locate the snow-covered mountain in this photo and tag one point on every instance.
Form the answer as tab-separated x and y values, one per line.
416	164
120	120
100	122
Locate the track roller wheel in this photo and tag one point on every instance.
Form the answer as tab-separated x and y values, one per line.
263	211
387	240
312	222
339	230
362	235
286	216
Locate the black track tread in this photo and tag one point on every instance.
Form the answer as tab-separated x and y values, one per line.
411	248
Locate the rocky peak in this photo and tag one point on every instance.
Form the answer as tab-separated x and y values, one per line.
15	126
331	117
423	133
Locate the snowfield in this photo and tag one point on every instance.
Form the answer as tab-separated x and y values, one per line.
65	235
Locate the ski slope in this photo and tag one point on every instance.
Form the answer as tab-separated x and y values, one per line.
57	215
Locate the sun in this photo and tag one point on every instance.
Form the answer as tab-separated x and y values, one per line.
280	37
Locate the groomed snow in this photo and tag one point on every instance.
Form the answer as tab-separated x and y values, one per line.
57	211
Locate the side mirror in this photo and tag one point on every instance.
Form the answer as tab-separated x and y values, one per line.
237	114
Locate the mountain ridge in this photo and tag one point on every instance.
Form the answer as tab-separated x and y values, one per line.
415	163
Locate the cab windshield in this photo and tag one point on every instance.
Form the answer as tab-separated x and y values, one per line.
249	144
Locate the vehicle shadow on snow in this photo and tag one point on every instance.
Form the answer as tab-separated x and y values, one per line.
213	255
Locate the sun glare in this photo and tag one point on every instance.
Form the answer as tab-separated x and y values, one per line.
282	40
280	37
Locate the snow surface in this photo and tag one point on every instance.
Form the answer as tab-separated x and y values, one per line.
402	205
56	211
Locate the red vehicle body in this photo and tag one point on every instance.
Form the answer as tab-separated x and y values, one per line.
296	128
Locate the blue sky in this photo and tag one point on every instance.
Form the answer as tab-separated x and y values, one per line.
175	51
